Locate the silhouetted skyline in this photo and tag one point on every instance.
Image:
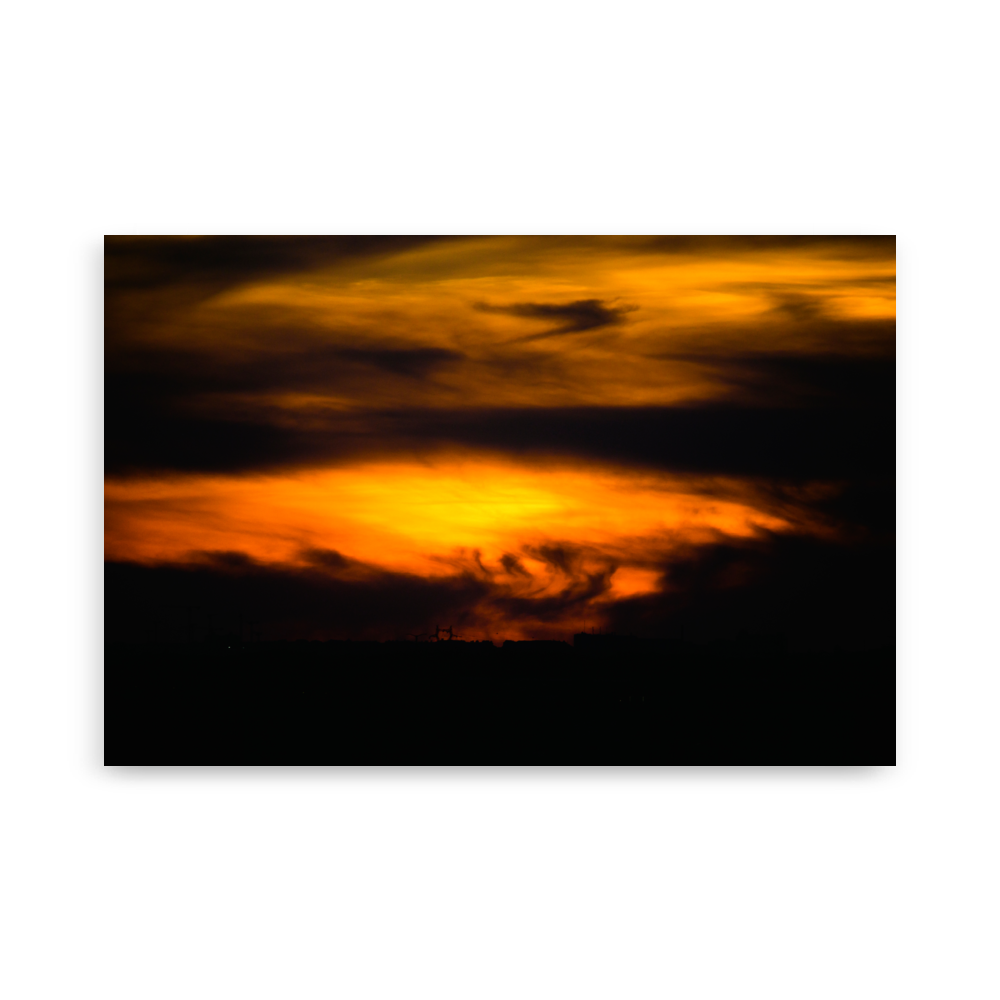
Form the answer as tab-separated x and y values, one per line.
617	699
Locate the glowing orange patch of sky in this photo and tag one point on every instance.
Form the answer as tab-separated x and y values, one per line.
421	518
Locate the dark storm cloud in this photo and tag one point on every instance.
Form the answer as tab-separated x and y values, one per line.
560	557
333	598
574	599
719	440
144	262
805	380
811	442
845	247
572	317
169	410
327	559
780	413
513	565
412	362
814	592
291	361
779	457
798	308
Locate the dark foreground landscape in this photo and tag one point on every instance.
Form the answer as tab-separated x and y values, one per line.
609	703
605	700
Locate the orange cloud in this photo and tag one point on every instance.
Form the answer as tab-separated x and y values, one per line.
491	305
421	517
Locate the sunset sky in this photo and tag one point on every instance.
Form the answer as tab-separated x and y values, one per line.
520	437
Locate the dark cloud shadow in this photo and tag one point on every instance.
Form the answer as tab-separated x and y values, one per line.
828	442
419	362
839	247
796	380
835	591
816	593
330	597
572	317
146	262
